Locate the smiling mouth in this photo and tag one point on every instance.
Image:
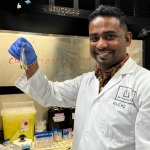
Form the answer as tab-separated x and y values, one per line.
103	54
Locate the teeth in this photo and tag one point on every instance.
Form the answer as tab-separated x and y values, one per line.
103	53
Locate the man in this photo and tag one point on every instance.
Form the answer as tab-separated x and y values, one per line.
112	103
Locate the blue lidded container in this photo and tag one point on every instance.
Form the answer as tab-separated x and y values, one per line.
65	136
55	134
51	133
39	141
60	134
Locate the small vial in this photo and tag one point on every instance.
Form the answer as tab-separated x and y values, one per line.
64	130
39	142
50	140
69	133
42	140
23	63
51	132
45	141
60	135
65	136
55	134
7	143
69	136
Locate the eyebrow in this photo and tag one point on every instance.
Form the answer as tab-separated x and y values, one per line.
106	32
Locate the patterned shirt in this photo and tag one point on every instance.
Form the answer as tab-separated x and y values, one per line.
108	74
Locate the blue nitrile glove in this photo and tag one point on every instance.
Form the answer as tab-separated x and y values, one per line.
15	50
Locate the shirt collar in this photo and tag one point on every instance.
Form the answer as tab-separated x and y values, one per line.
109	73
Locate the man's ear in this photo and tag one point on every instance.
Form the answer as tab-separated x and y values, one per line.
128	37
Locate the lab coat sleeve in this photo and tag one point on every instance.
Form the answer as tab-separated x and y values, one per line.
47	93
142	125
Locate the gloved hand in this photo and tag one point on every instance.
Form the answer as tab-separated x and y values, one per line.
15	50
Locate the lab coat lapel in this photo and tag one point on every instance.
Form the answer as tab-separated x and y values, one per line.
128	67
114	80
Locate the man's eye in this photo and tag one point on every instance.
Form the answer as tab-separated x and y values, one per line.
110	36
93	39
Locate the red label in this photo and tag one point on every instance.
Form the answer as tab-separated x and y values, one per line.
25	123
59	114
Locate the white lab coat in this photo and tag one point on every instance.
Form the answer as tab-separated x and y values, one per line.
117	118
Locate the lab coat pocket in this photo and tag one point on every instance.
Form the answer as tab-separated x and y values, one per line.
118	121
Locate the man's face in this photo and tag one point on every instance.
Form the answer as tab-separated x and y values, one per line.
108	41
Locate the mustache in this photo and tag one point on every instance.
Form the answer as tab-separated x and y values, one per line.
105	49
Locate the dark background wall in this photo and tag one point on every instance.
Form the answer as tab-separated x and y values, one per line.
43	16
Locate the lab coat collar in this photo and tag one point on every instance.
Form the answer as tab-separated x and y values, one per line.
128	67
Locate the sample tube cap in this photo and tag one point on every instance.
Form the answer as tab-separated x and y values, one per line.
60	130
50	131
6	140
55	129
49	135
38	137
65	133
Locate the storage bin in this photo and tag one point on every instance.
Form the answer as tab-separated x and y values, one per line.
18	118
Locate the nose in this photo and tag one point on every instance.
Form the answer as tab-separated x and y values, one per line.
101	44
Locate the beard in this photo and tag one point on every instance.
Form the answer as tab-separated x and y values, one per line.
106	63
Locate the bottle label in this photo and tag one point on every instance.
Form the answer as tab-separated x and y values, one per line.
73	115
59	117
24	124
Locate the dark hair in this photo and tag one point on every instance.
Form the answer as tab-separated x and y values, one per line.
110	11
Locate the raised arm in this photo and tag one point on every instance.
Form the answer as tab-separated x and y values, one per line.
37	86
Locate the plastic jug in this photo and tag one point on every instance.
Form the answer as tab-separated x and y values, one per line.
56	118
